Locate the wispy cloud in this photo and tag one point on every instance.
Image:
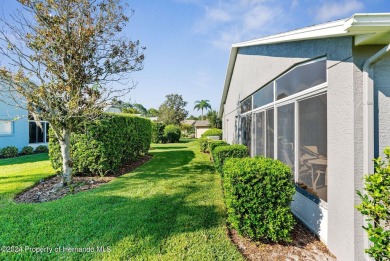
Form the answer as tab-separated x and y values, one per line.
331	10
229	21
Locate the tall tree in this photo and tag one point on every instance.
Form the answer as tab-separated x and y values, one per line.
139	107
201	105
172	111
61	57
214	120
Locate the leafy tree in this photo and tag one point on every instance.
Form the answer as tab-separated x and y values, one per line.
62	56
201	105
214	120
152	112
172	111
130	110
192	117
139	107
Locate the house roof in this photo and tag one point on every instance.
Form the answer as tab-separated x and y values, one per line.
205	123
189	122
370	28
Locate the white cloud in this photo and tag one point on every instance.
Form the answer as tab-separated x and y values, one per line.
228	21
331	10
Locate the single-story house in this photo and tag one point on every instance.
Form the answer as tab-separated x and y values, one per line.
201	127
318	99
17	129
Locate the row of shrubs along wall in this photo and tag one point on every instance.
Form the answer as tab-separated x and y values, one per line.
12	151
104	145
258	191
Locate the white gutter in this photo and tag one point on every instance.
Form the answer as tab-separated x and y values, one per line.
368	117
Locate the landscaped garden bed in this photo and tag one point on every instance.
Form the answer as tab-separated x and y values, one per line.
49	189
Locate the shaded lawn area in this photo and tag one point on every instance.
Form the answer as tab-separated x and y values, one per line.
169	209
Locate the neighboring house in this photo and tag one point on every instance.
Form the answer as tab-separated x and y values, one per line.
112	109
189	122
17	130
201	127
318	99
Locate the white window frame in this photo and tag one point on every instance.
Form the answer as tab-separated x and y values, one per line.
295	98
11	125
44	132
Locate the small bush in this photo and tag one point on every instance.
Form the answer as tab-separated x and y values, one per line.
158	132
376	207
221	153
9	152
27	150
41	149
203	144
258	194
212	132
212	144
172	133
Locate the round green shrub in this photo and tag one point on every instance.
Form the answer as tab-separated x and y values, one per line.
258	194
223	152
216	143
172	133
212	132
27	150
41	149
203	144
9	152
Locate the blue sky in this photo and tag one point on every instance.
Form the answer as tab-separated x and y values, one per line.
188	41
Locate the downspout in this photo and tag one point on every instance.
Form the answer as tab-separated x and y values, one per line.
368	118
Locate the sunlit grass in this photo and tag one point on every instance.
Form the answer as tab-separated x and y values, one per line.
169	209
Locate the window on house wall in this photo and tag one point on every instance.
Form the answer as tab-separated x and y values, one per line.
263	96
301	78
286	134
38	134
246	105
312	173
6	127
259	131
246	124
269	133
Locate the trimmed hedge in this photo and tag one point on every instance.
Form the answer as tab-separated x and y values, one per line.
105	144
212	132
221	153
27	150
172	133
212	144
158	132
203	144
9	152
258	194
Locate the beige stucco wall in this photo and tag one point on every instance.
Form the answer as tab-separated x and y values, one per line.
200	130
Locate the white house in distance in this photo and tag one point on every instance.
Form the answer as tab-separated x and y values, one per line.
318	99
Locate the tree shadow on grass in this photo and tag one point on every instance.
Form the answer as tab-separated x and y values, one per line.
131	225
24	159
168	147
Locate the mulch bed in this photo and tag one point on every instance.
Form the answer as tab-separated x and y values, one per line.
304	246
49	189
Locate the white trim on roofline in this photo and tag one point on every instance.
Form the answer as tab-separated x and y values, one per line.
368	28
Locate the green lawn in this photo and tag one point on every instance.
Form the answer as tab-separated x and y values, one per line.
169	209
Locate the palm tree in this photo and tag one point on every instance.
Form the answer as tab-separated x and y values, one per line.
201	105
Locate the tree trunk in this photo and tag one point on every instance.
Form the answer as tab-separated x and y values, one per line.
67	163
202	115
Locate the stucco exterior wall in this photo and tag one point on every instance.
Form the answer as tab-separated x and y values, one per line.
257	65
382	105
19	137
200	130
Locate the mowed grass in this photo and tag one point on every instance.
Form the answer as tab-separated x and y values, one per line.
169	209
